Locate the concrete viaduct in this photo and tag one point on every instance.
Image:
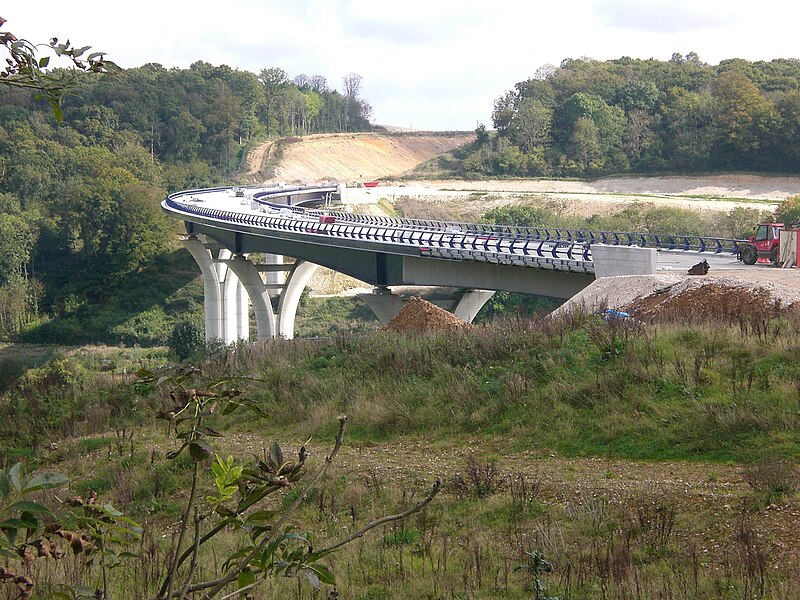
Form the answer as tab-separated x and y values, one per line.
253	244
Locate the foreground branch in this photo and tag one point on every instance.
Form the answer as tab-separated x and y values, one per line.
387	519
287	514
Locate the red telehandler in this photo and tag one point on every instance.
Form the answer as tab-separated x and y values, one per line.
765	243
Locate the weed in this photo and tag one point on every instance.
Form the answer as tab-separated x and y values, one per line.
772	478
479	480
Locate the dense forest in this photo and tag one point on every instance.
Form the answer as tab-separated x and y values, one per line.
589	118
79	196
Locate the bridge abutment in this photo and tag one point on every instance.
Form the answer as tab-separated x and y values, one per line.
612	261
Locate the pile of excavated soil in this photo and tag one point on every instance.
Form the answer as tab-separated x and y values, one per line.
712	301
732	295
418	315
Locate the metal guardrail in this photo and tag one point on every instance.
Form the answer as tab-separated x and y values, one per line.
414	241
614	238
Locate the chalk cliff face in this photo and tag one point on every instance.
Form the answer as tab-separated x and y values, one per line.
355	157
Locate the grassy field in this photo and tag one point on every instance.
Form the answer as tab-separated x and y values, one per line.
579	458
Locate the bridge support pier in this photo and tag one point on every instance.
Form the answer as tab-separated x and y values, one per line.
296	282
229	281
225	301
471	303
248	274
465	305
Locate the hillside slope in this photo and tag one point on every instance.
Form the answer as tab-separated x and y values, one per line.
358	157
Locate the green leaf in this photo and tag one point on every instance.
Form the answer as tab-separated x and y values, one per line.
56	108
44	61
209	432
15	476
175	453
14	523
31	507
246	577
4	484
276	456
45	481
260	516
312	578
111	511
199	450
230	407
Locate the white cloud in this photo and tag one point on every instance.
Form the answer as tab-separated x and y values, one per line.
430	63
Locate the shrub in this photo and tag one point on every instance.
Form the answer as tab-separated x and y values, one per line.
773	477
187	340
789	210
481	480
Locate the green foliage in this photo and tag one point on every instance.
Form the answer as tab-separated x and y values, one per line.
26	68
187	340
589	118
735	224
80	200
536	565
788	211
772	477
226	479
522	215
269	546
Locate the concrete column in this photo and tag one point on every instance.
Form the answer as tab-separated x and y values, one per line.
383	303
611	261
231	308
274	277
290	298
242	311
248	275
212	299
471	303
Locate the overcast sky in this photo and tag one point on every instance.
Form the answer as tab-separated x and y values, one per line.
426	64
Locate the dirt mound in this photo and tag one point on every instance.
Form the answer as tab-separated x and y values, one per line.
712	301
419	315
358	157
752	293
